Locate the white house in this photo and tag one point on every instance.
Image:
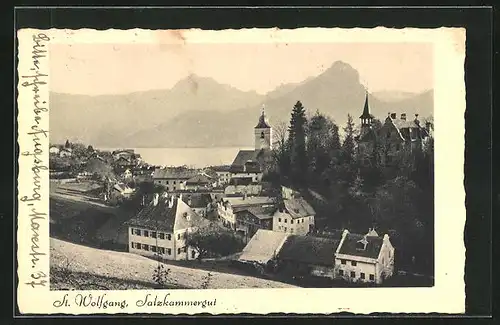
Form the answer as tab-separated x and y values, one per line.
159	230
295	216
127	174
364	258
226	214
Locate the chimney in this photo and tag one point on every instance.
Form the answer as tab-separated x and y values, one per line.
171	202
393	116
403	116
155	199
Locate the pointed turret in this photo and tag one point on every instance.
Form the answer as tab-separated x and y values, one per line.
262	120
366	112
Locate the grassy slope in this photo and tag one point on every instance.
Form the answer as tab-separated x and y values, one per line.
72	264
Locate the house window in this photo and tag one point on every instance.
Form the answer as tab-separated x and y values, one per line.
291	221
285	220
161	250
174	183
132	231
146	233
178	250
169	251
341	272
174	188
137	232
153	234
262	135
291	230
166	182
285	228
342	261
372	277
161	235
362	276
279	219
353	263
184	249
153	249
178	236
169	236
353	274
145	247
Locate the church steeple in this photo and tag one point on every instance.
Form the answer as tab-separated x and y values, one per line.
263	133
366	117
262	120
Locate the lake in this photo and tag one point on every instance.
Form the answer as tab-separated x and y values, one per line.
193	157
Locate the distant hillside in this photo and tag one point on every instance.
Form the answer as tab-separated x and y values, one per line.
337	92
199	112
107	119
117	270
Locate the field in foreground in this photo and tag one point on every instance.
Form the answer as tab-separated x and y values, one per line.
79	267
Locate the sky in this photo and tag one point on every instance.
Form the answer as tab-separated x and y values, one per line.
96	69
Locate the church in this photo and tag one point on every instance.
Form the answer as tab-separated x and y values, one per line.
249	165
396	137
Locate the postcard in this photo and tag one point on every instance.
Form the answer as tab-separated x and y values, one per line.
304	171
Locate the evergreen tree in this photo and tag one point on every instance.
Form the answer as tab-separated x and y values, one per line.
347	161
297	143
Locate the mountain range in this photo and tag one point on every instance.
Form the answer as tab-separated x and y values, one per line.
200	112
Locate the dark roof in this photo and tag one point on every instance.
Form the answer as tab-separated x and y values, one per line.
366	110
372	248
298	208
220	168
262	122
197	200
240	181
174	173
332	234
309	250
261	212
249	160
163	218
198	179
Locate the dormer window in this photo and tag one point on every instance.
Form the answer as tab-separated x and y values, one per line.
361	244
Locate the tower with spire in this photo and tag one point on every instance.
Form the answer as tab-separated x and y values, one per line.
263	133
366	118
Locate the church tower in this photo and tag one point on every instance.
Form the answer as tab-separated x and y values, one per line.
366	118
263	133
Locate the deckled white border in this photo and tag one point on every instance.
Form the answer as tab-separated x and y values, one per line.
447	296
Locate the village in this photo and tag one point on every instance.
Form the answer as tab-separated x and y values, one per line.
234	218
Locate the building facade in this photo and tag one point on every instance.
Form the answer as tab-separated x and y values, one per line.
364	258
294	216
160	229
173	178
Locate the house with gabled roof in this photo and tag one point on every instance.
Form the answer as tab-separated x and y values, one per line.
309	255
263	247
364	258
295	216
173	178
160	228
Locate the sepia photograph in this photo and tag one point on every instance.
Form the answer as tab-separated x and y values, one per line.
241	165
172	167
